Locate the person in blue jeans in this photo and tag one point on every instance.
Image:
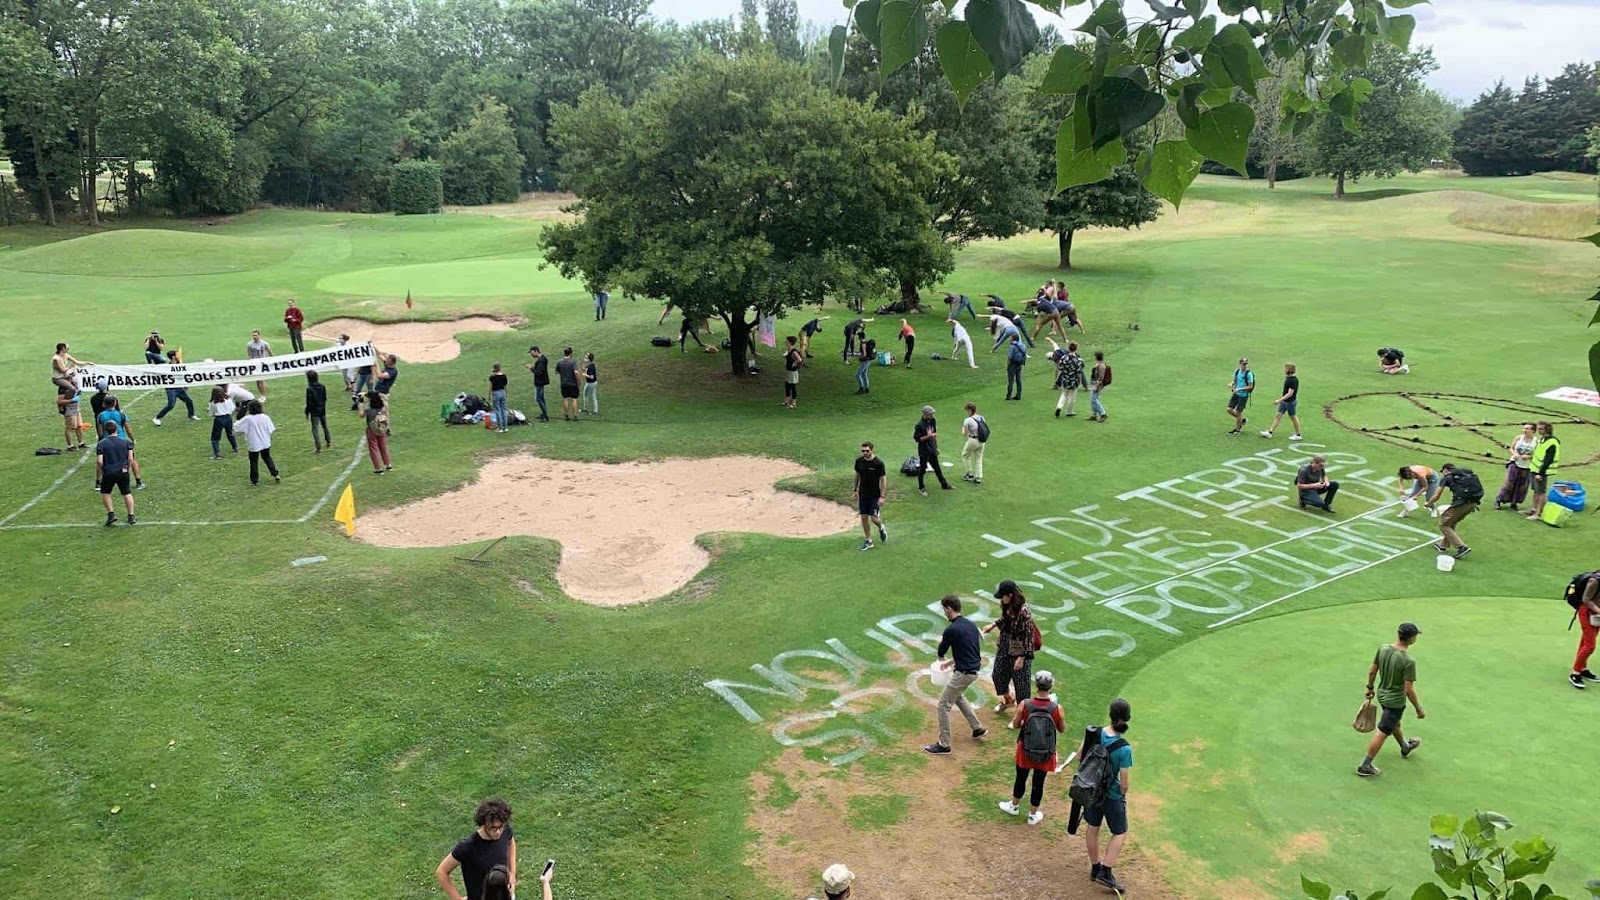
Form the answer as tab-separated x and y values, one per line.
601	298
1113	809
497	395
540	367
958	303
1016	358
1313	485
174	395
869	352
1099	378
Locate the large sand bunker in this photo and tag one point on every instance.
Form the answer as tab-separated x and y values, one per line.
627	531
417	342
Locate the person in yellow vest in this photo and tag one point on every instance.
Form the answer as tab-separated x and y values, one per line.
1546	457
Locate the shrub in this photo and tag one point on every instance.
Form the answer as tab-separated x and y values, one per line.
415	187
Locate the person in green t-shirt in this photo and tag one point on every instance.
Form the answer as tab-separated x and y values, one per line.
1392	680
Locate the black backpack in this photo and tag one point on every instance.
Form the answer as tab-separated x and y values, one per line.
1574	596
1093	778
983	429
912	467
1038	736
1471	488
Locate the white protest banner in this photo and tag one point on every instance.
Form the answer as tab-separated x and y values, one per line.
1573	395
177	375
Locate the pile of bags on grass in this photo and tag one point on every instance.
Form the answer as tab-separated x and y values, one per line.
470	409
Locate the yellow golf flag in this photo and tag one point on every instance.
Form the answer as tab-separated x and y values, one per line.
345	512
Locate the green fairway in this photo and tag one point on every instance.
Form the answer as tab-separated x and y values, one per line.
242	715
1247	757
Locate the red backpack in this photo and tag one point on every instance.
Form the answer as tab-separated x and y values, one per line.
1105	378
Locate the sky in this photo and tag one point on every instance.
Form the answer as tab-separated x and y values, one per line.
1475	41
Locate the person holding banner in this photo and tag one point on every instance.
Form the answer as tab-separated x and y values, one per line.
258	349
64	368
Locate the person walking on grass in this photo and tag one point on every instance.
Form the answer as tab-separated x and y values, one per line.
909	336
540	367
869	352
1392	681
71	417
567	374
497	396
963	343
1016	358
1013	652
1546	459
492	843
1313	486
221	408
1519	469
174	395
1069	375
1465	494
926	434
793	359
1244	383
975	429
113	421
317	411
294	320
1586	612
589	393
1099	380
961	640
376	414
258	348
1288	404
870	488
257	428
113	461
1038	722
1111	810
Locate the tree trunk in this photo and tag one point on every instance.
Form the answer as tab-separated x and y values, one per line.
739	344
1338	185
91	170
1272	171
44	182
908	291
1064	242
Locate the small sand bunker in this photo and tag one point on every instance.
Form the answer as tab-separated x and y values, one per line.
627	530
417	342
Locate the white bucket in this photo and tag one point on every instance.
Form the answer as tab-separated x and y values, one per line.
941	677
1410	504
1445	562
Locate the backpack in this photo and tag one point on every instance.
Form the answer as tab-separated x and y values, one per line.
1106	376
380	422
661	340
912	466
983	429
1038	737
1093	778
1036	639
1471	487
1579	581
1017	354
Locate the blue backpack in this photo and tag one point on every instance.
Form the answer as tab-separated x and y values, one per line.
1018	354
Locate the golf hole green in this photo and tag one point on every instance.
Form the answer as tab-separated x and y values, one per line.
1245	759
459	278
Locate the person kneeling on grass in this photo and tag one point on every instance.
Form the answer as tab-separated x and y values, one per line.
1038	721
1392	361
1313	485
1392	680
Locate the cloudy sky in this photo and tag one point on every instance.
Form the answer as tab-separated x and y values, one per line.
1475	41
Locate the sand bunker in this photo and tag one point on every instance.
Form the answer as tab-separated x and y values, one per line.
627	530
417	342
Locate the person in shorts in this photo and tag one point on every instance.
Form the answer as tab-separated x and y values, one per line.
1288	403
113	467
258	348
71	417
491	844
567	374
1392	681
871	485
1424	483
1244	383
1112	812
808	331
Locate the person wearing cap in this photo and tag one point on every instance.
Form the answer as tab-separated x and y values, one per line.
1041	705
1244	382
540	367
926	434
1392	680
962	641
1313	486
836	881
97	405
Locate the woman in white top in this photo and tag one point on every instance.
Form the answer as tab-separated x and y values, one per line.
221	407
1515	489
963	340
257	429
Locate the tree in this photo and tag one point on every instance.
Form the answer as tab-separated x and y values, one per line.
739	186
1119	201
1539	130
1271	145
1402	126
479	161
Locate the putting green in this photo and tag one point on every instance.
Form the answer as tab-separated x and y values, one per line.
150	252
1245	777
458	278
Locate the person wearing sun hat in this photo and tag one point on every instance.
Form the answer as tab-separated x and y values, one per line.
836	881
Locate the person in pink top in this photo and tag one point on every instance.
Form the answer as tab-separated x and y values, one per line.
909	335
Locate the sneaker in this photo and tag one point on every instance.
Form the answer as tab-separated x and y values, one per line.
922	491
1058	410
947	487
1406	369
138	486
1463	551
216	456
866	545
377	471
1588	675
1410	747
97	487
111	519
1035	817
1441	548
156	422
1265	434
1009	807
1106	879
977	481
1575	679
967	477
194	418
1094	871
935	749
979	732
883	536
131	519
276	480
388	468
1296	437
1366	771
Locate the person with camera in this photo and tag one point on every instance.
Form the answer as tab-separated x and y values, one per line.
154	348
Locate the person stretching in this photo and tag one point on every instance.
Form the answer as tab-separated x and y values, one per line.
1038	722
686	329
855	332
909	335
958	303
963	341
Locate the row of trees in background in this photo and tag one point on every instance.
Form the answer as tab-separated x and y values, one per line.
1543	128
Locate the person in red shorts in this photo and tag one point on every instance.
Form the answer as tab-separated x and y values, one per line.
1587	612
1038	721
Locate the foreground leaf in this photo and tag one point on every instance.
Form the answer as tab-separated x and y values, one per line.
1069	70
1223	134
1005	30
904	28
836	42
1169	169
867	21
963	61
1075	167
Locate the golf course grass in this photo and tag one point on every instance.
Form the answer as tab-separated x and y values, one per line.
184	713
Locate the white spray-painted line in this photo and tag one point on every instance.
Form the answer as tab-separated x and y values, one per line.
1292	595
328	494
82	458
1251	552
147	522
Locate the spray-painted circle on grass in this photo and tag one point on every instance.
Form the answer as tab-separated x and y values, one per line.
1463	426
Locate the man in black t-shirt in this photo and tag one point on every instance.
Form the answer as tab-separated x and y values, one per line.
113	464
1288	403
872	483
540	367
97	405
926	434
1313	486
492	844
567	374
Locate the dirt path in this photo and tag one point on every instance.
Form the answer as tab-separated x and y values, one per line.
415	342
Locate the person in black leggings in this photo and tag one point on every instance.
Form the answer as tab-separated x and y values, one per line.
687	329
1040	704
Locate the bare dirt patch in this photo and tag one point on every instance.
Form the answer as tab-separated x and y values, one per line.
1306	843
416	342
627	530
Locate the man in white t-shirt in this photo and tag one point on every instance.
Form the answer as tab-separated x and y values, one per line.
258	348
972	449
241	399
963	340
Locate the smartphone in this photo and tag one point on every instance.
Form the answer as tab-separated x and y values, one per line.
549	866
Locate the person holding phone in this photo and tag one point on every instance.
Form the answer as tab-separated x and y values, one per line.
489	846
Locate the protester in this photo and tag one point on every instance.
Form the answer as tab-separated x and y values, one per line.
540	367
1244	382
869	490
1519	469
909	336
257	348
363	378
963	342
112	421
976	431
1069	374
1392	681
810	330
113	460
1038	722
71	417
388	373
174	395
1586	612
1465	493
567	375
1288	404
155	348
241	399
317	411
602	299
294	320
1546	459
869	352
257	428
497	396
1112	811
962	641
350	373
1099	380
793	359
1013	652
376	413
1392	361
1016	358
221	409
926	434
1424	483
492	843
1313	486
836	881
97	405
589	393
64	368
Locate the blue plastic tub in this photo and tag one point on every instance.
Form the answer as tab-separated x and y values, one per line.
1569	495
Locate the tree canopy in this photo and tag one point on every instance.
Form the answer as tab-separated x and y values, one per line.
739	188
1542	128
